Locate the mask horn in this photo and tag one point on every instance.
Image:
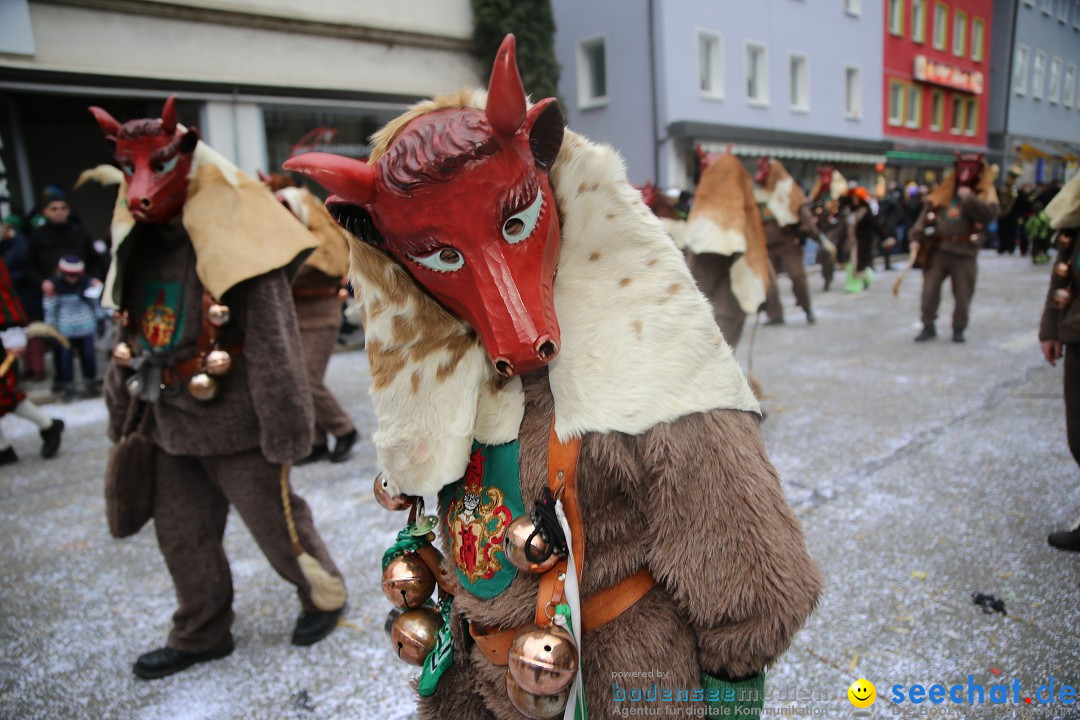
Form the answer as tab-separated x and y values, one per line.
352	180
506	94
168	116
105	121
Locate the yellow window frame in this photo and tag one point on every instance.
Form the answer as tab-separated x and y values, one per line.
944	25
977	47
937	111
899	31
900	117
960	36
918	30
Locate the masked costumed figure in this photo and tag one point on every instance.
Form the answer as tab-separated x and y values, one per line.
605	498
206	390
949	236
788	222
827	201
1059	330
318	293
726	242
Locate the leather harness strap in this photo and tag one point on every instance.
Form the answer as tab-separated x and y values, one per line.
183	371
603	606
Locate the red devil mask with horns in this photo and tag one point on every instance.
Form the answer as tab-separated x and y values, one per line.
968	170
155	156
461	199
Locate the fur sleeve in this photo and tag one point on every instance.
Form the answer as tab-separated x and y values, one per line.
807	224
980	210
723	541
275	364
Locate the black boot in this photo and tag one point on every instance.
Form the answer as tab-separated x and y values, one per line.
8	456
50	439
1066	539
318	452
958	336
810	319
311	627
775	321
929	332
343	446
166	661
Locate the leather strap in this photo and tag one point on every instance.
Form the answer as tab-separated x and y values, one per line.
313	292
562	481
183	371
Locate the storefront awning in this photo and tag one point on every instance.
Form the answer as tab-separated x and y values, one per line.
909	157
795	153
1032	151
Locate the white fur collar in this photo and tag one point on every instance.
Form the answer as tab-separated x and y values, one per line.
779	201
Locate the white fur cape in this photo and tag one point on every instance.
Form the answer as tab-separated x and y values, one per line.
639	343
1064	209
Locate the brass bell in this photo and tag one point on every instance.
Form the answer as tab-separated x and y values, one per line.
202	387
218	315
218	363
1062	298
517	535
122	354
121	318
388	501
930	216
1061	269
407	581
538	707
414	634
543	661
1064	240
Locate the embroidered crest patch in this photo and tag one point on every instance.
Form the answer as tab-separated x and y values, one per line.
477	510
161	318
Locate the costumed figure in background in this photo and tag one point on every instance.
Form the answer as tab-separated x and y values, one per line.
318	292
1059	331
673	221
13	339
206	389
788	222
864	229
829	190
948	236
574	425
726	243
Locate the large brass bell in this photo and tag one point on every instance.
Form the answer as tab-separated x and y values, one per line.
516	540
388	501
538	707
122	354
1062	298
1064	240
414	634
202	387
218	315
1061	269
218	363
543	661
407	581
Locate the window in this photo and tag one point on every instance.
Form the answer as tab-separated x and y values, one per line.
1020	69
896	102
1054	92
1076	14
711	64
852	93
977	35
1063	11
959	34
757	74
972	124
853	7
1070	86
1047	7
937	111
799	78
896	17
913	116
941	29
1029	3
918	20
958	105
592	73
1038	75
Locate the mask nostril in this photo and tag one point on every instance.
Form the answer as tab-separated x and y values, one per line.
145	203
547	350
504	368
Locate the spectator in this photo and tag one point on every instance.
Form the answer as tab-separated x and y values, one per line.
72	308
59	237
15	251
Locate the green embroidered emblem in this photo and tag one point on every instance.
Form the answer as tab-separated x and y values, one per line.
161	315
442	657
477	510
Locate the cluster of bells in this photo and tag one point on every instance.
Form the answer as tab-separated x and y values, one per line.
543	661
203	385
1063	296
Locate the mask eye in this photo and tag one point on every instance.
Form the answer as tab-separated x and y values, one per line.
128	168
520	226
166	165
443	260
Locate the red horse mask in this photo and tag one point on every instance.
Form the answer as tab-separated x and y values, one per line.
155	156
968	170
764	167
461	199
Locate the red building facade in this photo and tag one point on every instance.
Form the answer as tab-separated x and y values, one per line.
937	71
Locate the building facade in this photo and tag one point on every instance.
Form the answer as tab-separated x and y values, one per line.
936	82
793	79
258	80
1035	119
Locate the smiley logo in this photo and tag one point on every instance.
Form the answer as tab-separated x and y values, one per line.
862	693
